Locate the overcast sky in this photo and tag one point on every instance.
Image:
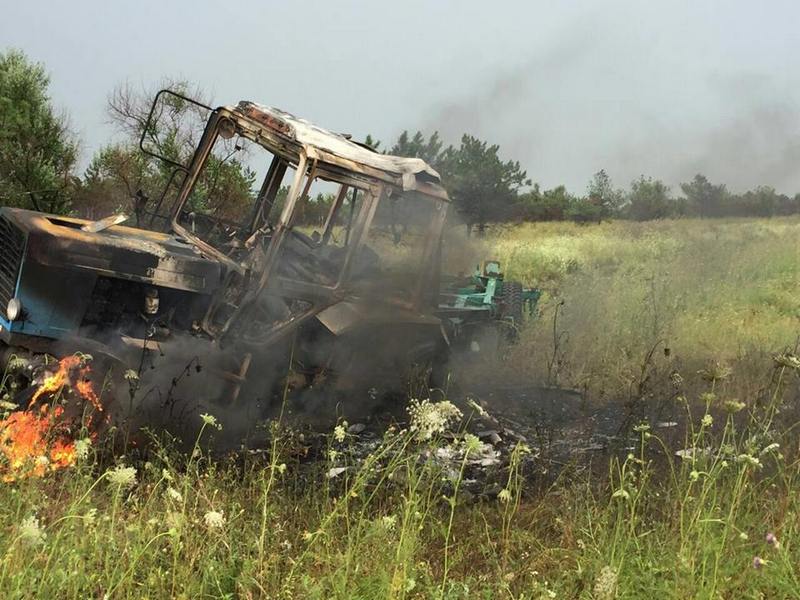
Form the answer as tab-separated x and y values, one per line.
665	89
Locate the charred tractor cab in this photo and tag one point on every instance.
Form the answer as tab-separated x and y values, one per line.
243	286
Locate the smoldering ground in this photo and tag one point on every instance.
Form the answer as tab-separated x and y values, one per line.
173	383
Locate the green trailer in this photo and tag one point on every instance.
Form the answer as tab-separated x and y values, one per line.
469	306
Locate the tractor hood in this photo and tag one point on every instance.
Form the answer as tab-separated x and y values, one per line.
121	252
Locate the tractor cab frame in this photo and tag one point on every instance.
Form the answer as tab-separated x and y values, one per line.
277	273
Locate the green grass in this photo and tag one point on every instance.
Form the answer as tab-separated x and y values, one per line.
723	296
709	291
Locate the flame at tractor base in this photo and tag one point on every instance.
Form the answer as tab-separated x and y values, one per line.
26	442
73	370
38	440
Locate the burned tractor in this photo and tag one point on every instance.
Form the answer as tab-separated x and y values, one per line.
244	289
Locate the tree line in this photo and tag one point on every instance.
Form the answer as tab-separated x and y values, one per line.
38	168
487	189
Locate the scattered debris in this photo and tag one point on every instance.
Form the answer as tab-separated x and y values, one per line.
335	472
356	428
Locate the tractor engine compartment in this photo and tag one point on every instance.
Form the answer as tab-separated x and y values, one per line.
134	309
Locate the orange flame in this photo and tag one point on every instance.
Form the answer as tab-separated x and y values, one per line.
57	380
35	441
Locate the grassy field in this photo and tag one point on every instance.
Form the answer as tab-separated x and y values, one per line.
706	291
700	315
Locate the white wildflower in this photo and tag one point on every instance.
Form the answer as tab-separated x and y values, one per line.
340	432
82	448
90	516
214	519
707	420
166	475
122	476
504	495
716	371
621	493
211	421
174	521
693	453
431	418
174	494
749	459
770	448
477	407
16	363
787	359
471	443
605	586
42	461
734	406
708	398
31	532
389	521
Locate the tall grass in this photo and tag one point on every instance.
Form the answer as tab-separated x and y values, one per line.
394	518
699	290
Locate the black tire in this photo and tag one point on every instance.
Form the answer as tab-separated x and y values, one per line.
511	299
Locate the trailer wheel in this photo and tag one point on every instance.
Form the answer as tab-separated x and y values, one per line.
512	302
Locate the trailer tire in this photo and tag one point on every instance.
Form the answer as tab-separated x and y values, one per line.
512	302
440	368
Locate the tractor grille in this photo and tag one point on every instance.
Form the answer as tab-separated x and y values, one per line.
12	245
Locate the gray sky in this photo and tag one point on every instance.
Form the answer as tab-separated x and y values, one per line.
662	88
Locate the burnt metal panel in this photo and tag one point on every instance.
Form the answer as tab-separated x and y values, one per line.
122	252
